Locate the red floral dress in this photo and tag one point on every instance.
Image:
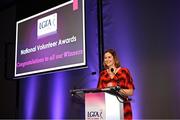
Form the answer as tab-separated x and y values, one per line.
124	80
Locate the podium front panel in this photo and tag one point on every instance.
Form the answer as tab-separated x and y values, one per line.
95	106
103	106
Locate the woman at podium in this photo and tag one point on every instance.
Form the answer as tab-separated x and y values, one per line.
113	75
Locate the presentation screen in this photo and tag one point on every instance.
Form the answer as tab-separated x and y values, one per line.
52	40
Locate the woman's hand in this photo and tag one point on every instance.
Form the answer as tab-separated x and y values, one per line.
126	92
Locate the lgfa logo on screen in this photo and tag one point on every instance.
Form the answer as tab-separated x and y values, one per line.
47	25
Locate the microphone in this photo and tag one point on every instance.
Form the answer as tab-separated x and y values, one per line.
117	88
112	70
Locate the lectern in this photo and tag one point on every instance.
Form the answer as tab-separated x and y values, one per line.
102	104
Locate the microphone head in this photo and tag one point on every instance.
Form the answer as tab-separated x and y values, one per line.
112	70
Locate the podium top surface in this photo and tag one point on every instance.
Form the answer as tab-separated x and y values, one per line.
112	90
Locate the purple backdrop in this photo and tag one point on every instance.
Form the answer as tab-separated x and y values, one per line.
146	36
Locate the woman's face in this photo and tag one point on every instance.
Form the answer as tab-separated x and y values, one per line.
108	59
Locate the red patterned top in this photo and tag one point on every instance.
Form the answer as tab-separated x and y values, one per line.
121	78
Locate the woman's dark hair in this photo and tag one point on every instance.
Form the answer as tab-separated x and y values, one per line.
113	53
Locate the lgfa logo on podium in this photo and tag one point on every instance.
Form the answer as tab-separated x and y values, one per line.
47	25
94	115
